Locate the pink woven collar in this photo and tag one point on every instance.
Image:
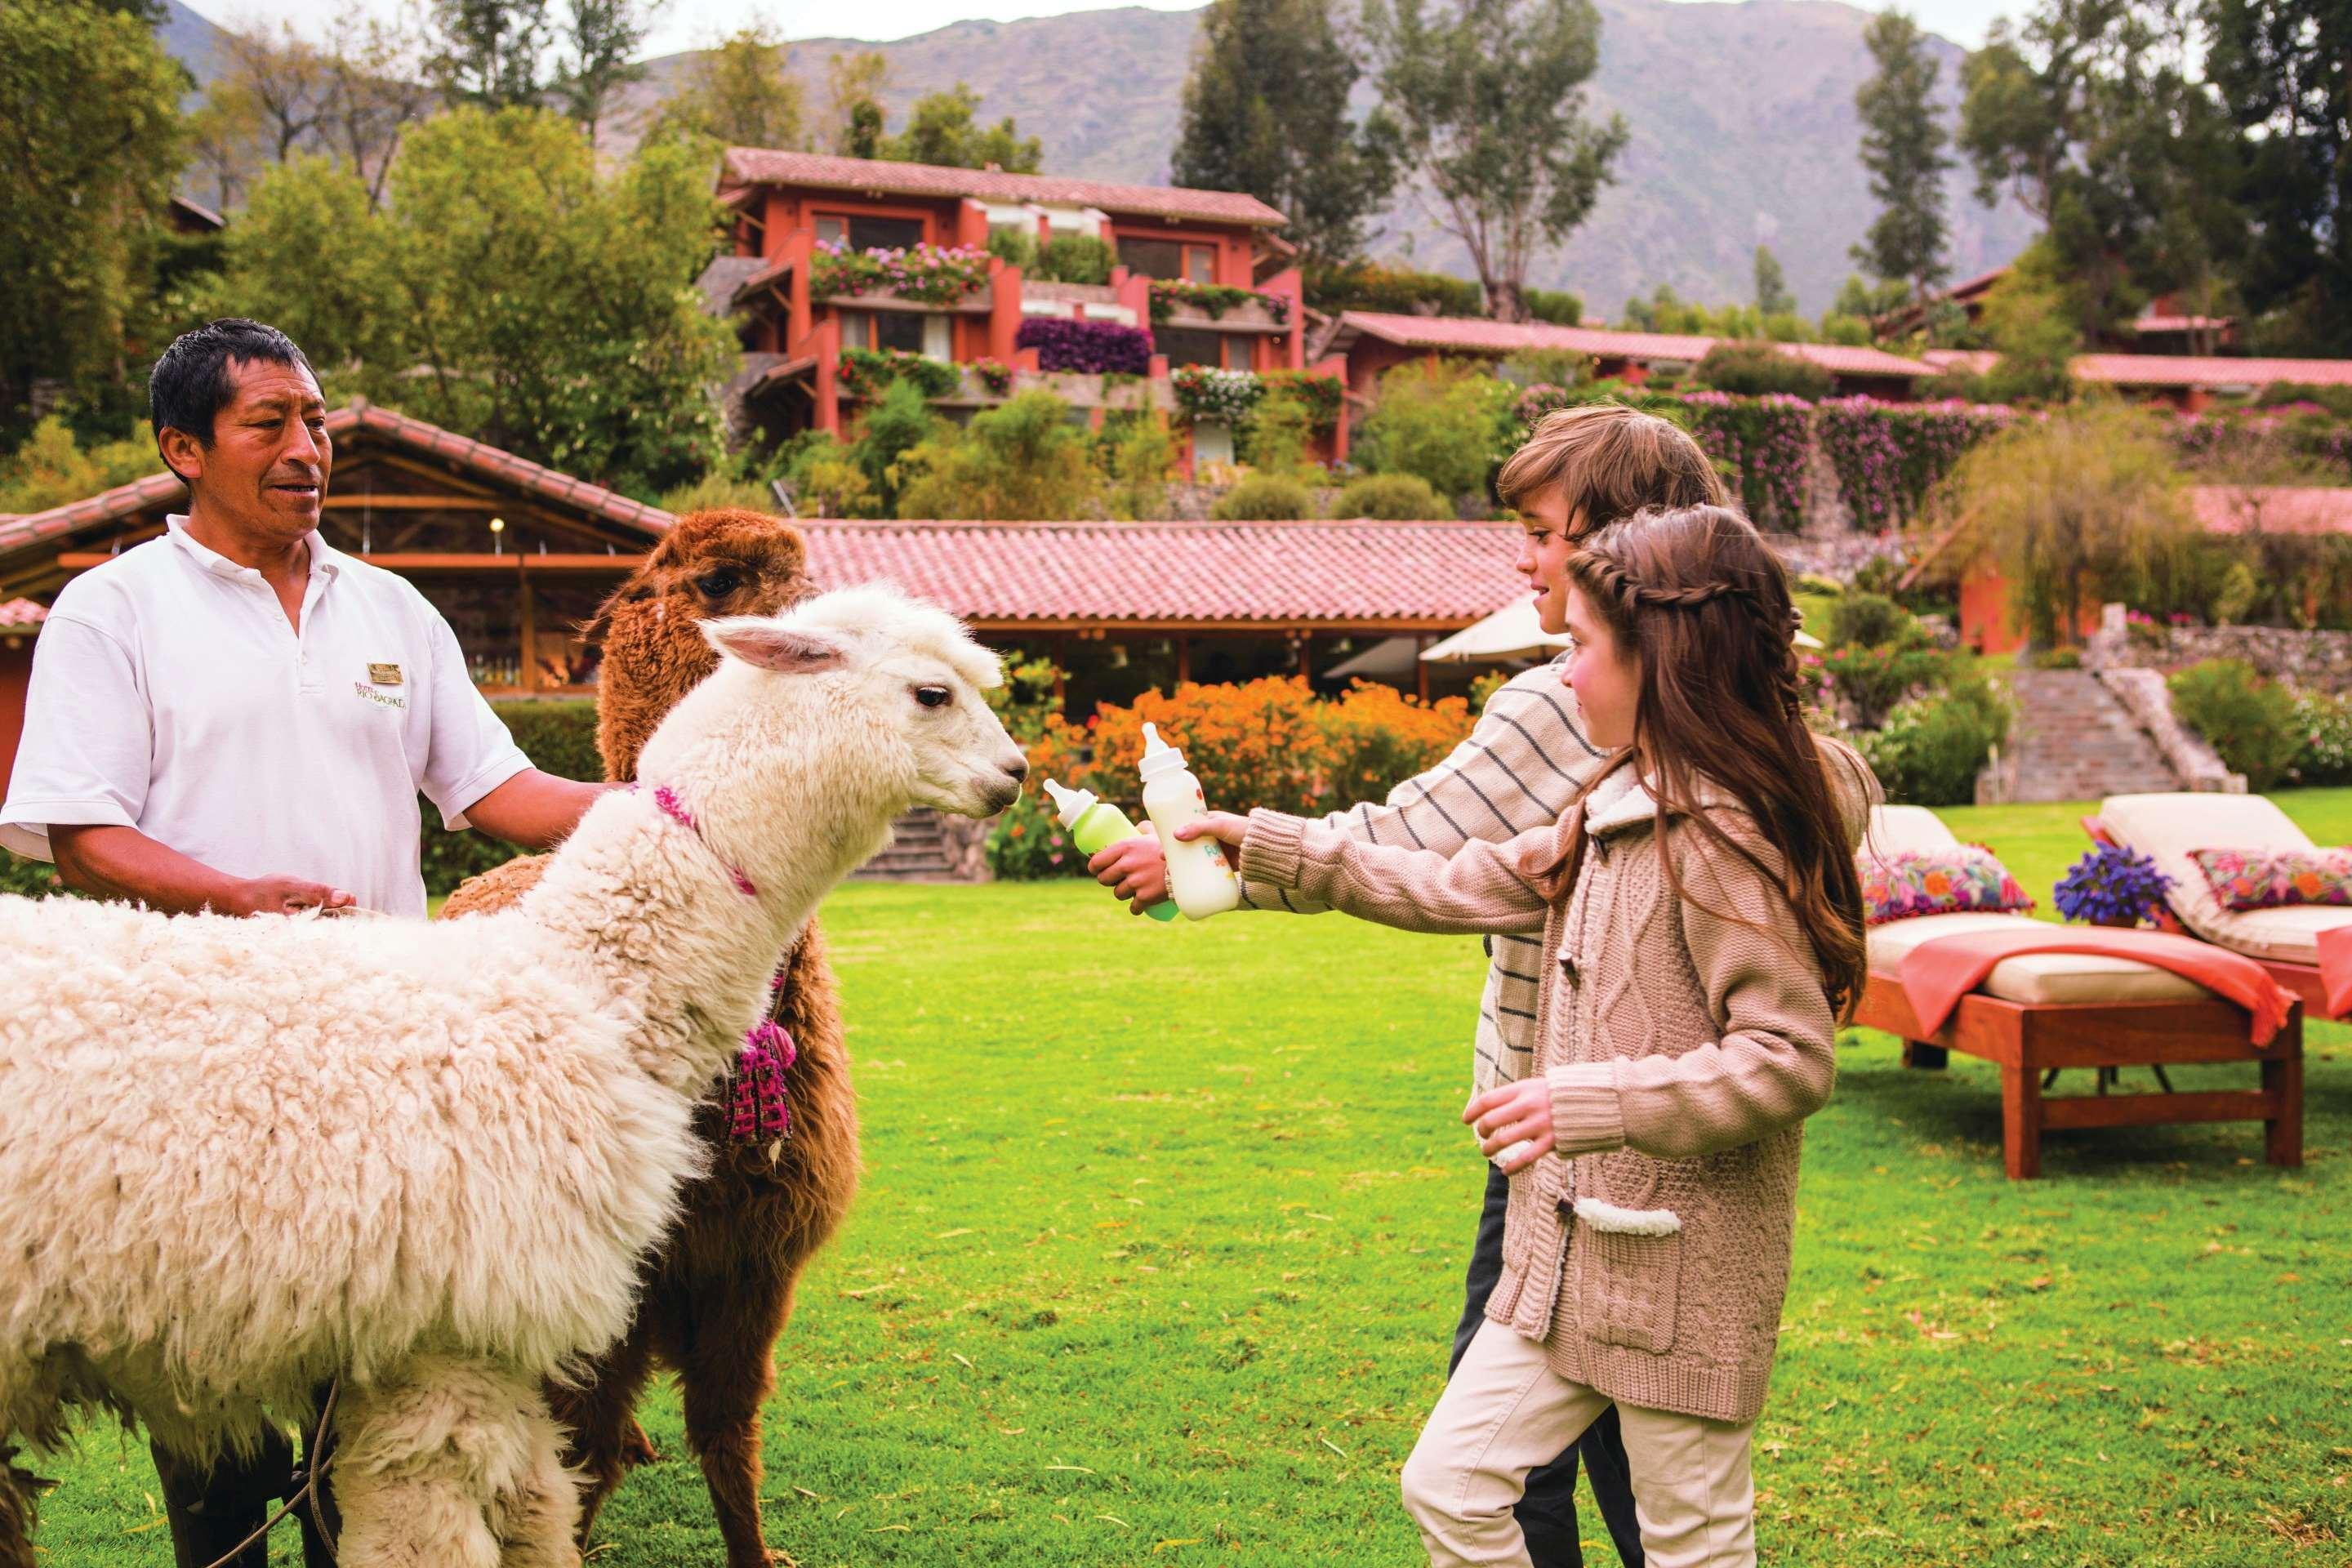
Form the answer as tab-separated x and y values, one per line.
675	809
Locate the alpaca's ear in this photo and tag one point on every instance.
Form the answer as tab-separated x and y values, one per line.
759	641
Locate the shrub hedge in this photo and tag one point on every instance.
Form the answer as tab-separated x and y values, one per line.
2249	721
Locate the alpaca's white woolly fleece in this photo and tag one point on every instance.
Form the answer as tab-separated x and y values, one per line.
239	1157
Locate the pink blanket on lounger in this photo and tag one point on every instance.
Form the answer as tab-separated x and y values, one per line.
2336	968
1940	971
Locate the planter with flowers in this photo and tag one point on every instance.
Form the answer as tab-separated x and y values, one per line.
936	275
1172	297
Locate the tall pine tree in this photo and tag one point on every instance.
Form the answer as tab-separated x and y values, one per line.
2283	69
1903	149
1265	110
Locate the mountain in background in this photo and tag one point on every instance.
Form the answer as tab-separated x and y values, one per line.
1741	114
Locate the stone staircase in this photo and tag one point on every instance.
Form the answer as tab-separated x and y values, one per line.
2073	740
925	846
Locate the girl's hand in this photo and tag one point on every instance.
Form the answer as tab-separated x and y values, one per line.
1513	1113
1224	826
1134	869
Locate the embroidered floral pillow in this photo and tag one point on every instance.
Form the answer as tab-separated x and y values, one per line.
1937	882
2266	878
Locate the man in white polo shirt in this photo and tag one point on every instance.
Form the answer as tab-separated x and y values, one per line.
238	717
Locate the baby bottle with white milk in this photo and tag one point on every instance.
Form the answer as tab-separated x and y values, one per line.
1198	875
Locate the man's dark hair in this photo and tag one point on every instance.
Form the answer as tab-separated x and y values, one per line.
190	380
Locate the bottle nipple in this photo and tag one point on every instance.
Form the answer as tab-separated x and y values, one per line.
1067	802
1159	756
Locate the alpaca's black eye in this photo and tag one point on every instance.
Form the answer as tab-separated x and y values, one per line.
718	585
933	696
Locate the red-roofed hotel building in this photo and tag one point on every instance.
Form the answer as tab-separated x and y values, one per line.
796	320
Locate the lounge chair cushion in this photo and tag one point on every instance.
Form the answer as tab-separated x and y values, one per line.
1910	884
2168	829
1895	828
2034	978
2274	879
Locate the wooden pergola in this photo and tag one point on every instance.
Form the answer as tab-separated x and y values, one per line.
515	555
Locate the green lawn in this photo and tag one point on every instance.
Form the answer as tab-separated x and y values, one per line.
1163	1238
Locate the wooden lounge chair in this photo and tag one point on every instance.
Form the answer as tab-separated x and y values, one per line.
2166	827
2038	1013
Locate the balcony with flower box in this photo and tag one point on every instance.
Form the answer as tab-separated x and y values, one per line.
851	273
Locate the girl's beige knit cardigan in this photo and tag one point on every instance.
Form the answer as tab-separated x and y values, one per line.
1686	1041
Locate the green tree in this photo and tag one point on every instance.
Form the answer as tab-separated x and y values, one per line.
2031	323
1443	420
2284	71
1265	110
900	420
91	138
1903	150
506	291
1488	97
2094	115
941	130
741	94
1023	460
597	46
853	102
1772	296
490	52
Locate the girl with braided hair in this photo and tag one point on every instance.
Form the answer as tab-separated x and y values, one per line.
1702	933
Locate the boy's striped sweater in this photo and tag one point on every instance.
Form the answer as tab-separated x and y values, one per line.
1526	757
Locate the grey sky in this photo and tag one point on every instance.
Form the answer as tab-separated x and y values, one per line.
691	23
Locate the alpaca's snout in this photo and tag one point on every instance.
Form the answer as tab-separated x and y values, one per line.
1008	790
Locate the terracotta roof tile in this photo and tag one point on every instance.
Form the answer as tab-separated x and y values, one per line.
1162	572
1846	359
2278	509
1473	335
2201	369
767	167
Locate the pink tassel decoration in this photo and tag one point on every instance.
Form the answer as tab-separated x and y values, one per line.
757	1108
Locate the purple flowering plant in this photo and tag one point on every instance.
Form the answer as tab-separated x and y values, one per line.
1097	348
2111	886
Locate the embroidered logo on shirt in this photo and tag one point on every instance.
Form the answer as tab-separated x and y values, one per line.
382	700
385	674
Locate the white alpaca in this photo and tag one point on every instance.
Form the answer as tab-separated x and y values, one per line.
239	1158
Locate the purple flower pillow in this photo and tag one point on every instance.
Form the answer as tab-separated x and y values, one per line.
1937	882
2266	878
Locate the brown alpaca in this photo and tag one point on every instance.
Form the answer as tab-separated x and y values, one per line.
718	1296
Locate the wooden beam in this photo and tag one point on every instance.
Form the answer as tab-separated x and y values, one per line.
530	629
369	499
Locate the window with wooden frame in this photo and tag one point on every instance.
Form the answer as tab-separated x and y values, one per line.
901	329
1197	345
1173	259
861	231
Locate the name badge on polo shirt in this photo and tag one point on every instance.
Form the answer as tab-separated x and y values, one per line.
383	674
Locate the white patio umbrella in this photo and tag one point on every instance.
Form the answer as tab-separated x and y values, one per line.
1512	633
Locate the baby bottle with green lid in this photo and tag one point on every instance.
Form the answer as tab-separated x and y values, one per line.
1095	826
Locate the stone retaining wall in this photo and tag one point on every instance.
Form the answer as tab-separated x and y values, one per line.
2317	661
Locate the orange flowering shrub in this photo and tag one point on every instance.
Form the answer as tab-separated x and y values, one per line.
1257	743
1270	742
1376	736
